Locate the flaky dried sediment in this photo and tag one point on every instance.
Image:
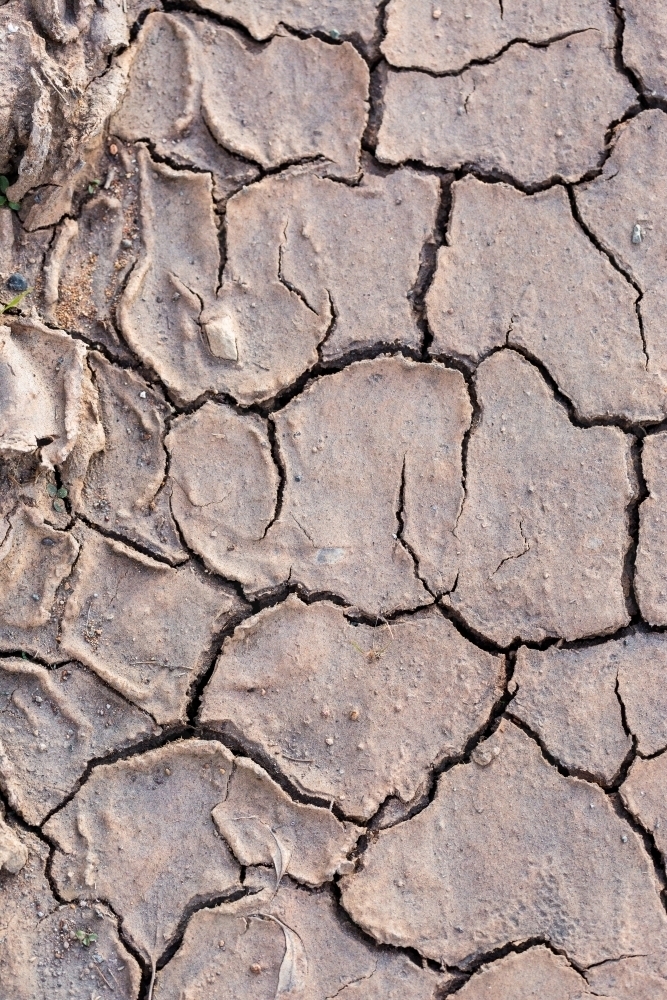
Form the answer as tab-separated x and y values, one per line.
440	882
533	973
331	701
139	834
543	529
298	941
517	270
534	115
446	39
263	826
52	725
568	698
339	529
144	627
51	951
650	576
645	43
124	487
624	208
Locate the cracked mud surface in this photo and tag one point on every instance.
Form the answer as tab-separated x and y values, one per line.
333	504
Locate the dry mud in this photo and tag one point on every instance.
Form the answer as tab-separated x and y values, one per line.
333	503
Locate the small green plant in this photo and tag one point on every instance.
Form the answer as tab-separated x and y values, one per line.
58	495
85	937
93	186
16	301
4	200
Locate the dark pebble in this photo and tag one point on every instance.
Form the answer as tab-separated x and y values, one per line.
48	541
17	283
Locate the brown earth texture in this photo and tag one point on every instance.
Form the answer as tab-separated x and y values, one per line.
333	499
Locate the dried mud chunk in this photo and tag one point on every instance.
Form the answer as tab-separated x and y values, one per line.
642	668
145	628
335	18
86	272
46	393
637	977
580	877
645	43
13	852
300	940
344	531
352	713
651	577
422	36
176	273
543	529
139	834
123	489
528	975
293	99
568	697
54	952
34	560
643	793
625	209
510	117
263	826
163	103
224	482
52	725
518	270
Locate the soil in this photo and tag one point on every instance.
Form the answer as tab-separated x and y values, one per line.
333	503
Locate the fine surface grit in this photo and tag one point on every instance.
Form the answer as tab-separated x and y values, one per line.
333	499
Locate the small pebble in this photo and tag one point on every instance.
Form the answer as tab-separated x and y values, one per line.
636	234
126	244
142	394
17	283
624	839
329	741
113	148
256	968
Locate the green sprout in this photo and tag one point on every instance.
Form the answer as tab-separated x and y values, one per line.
86	938
16	301
4	200
93	186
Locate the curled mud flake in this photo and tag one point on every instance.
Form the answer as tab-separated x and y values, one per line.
504	118
543	530
47	395
420	883
292	100
331	514
333	18
629	195
139	834
568	698
52	724
445	40
124	489
292	675
163	103
644	44
518	270
651	578
144	627
262	824
55	951
86	271
29	574
641	661
533	973
295	946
